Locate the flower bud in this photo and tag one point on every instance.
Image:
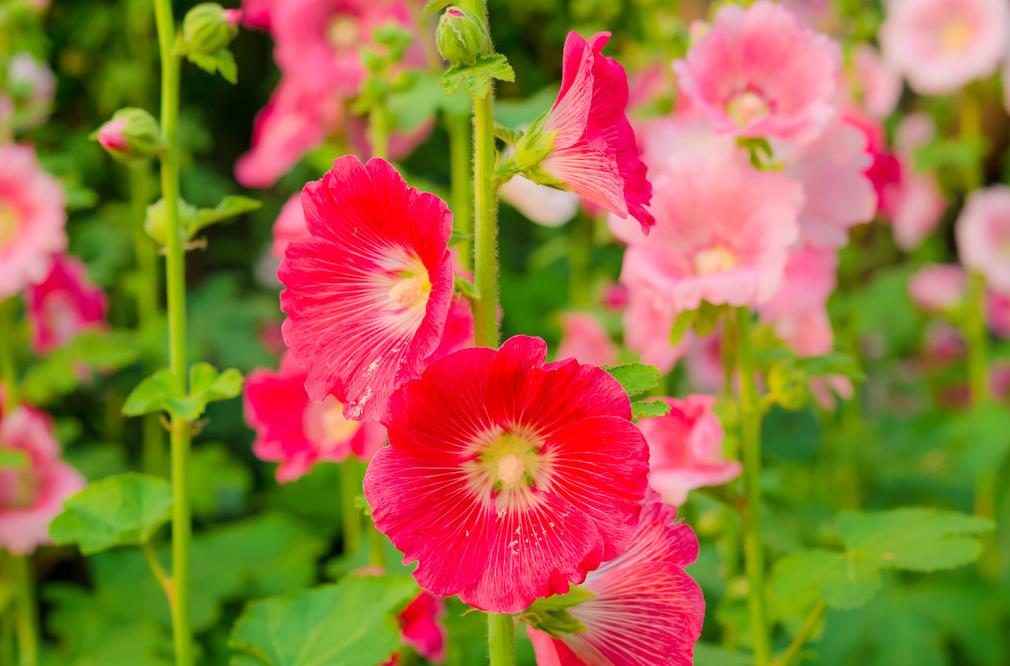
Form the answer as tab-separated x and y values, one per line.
208	28
787	385
461	37
131	134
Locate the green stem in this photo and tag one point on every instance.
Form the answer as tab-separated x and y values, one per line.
458	127
349	514
485	280
375	556
26	628
580	245
175	278
8	364
750	431
501	639
731	524
378	132
971	130
802	636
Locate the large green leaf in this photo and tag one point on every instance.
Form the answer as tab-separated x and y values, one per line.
160	392
348	624
118	511
636	378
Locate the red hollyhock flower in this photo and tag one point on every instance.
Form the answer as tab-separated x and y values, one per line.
368	291
506	478
63	305
595	153
647	611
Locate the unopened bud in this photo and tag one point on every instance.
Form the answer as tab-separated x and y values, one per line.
131	134
787	385
208	28
461	37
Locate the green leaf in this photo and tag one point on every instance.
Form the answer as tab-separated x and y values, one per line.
153	394
206	385
160	392
833	364
476	79
222	62
641	409
800	579
12	458
636	378
917	539
230	206
118	511
348	624
706	654
59	372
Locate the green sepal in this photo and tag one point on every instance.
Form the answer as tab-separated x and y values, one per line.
551	614
476	79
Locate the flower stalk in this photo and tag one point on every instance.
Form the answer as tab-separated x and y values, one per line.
750	438
175	276
458	127
485	199
501	638
26	626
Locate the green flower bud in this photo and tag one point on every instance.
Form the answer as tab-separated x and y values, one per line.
461	37
787	385
207	29
131	134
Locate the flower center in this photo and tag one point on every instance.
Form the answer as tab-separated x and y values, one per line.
955	35
342	32
8	223
510	470
326	426
714	259
411	289
506	466
747	107
18	488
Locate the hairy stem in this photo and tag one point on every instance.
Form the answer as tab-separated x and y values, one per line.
485	199
458	127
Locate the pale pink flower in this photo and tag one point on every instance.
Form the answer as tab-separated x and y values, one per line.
940	45
723	232
544	205
32	87
31	496
759	72
918	206
798	311
584	339
983	235
64	305
878	85
997	308
290	225
594	152
704	362
31	219
648	320
938	287
837	192
685	449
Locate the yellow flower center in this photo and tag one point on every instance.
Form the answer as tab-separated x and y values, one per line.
412	288
746	107
507	466
715	259
955	35
342	32
326	425
511	470
8	223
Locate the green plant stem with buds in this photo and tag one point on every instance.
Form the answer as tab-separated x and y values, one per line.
175	277
750	438
485	199
378	131
501	638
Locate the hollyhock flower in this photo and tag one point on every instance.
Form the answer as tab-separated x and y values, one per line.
885	169
298	433
539	203
507	478
983	235
296	119
32	86
942	343
837	192
997	308
367	293
723	233
290	225
685	449
584	339
940	45
918	206
878	85
32	495
421	628
258	14
648	320
704	362
759	72
63	305
938	288
594	151
798	311
647	611
31	219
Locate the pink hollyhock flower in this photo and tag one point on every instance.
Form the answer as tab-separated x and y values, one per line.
723	233
421	628
258	14
296	119
31	219
63	305
507	478
584	339
940	45
983	235
837	192
885	169
368	292
290	225
878	85
595	153
938	288
798	311
685	449
298	433
539	203
997	307
704	362
646	610
32	86
918	206
31	496
759	72
648	320
942	343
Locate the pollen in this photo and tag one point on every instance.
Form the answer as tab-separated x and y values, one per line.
714	259
746	107
8	223
511	470
410	291
955	36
